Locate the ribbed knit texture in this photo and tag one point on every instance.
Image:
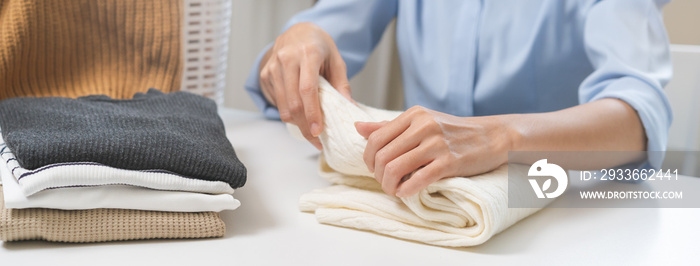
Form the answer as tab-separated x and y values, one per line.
178	132
73	48
453	212
99	225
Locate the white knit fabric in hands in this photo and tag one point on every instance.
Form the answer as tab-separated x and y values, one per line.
453	212
340	139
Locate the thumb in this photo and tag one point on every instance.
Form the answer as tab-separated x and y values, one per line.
367	128
343	86
339	80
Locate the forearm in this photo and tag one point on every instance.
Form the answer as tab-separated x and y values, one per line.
603	125
431	145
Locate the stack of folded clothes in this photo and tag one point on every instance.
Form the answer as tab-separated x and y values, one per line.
99	169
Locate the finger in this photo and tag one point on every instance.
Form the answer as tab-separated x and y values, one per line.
265	77
382	136
404	165
266	86
277	82
404	143
290	74
419	180
338	77
344	89
317	143
308	89
301	120
268	93
295	105
313	140
366	128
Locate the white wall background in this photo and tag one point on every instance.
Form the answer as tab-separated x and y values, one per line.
255	23
682	19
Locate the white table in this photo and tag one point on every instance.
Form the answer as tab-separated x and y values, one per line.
268	229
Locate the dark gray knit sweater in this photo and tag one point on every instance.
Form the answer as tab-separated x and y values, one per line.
178	132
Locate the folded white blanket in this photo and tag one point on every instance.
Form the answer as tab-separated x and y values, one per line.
112	196
451	212
82	174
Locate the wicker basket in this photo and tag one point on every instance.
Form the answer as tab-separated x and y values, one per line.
206	32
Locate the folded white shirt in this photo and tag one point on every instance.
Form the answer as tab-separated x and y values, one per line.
80	174
450	212
111	196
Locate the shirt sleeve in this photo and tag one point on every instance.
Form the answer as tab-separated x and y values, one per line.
355	25
627	45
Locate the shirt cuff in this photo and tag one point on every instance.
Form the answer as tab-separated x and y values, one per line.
652	107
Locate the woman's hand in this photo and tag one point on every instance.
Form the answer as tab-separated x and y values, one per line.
425	146
289	76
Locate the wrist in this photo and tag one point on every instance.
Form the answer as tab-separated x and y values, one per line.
514	131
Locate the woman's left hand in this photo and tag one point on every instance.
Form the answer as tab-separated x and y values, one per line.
426	146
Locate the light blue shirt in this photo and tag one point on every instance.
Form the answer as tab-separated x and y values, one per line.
487	57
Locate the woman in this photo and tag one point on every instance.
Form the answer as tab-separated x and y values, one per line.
484	77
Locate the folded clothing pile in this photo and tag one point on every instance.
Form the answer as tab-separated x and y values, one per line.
97	169
452	212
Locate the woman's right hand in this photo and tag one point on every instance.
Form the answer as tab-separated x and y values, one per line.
289	74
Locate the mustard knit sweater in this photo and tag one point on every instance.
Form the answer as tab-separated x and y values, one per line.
73	48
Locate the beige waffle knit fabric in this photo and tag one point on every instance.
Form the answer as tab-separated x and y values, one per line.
100	225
